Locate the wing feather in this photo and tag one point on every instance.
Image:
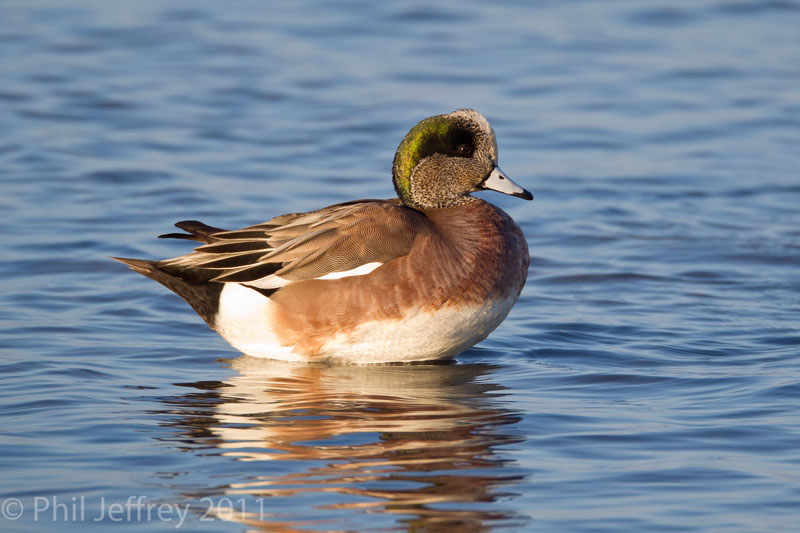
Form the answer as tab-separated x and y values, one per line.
301	246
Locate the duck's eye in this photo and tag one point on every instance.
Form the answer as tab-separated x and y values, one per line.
464	149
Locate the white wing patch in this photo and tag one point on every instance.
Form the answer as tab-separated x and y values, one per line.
275	282
270	282
366	268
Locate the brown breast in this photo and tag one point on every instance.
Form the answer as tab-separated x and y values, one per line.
461	255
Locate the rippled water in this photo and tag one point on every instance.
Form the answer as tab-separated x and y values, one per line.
648	379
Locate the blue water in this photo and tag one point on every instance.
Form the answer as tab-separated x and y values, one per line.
647	380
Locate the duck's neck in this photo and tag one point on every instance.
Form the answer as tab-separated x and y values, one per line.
451	202
467	222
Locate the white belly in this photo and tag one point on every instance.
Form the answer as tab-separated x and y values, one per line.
245	320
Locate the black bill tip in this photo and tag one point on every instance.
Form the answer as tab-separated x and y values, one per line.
525	195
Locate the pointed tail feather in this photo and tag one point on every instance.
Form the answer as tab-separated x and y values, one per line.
195	231
203	296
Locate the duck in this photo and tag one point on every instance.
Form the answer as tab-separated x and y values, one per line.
417	278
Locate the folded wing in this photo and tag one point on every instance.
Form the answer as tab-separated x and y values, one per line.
355	236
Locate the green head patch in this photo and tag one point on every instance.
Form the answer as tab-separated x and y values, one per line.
443	134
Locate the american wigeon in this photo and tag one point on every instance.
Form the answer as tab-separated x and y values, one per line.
416	278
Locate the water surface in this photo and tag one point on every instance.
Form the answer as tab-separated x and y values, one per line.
647	380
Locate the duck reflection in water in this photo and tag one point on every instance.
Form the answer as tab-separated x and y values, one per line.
317	446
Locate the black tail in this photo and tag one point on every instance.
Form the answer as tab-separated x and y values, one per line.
196	231
202	296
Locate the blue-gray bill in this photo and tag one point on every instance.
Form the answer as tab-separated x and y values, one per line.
500	182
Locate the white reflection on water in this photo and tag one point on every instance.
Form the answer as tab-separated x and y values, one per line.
414	442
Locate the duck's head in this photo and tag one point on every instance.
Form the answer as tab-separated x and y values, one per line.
445	158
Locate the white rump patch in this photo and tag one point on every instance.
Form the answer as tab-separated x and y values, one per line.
244	319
